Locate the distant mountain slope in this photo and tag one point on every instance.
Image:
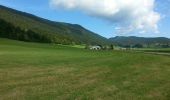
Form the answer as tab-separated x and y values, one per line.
132	40
56	32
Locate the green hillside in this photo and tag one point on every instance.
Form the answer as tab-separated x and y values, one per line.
132	40
35	71
55	32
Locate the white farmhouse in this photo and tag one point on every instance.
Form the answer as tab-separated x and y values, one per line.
95	48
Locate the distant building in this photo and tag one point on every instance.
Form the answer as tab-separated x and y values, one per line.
95	48
119	48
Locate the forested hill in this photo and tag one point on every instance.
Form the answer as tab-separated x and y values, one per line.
27	27
132	40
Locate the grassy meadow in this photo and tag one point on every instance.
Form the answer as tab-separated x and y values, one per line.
32	71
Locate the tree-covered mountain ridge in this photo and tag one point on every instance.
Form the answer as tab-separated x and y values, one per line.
45	30
144	41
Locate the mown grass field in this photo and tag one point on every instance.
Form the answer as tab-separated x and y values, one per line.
31	71
160	50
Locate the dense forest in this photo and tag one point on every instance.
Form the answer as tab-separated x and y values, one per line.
8	30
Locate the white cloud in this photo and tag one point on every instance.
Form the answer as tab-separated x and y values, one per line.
130	15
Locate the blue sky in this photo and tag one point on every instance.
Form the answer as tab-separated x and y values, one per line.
97	23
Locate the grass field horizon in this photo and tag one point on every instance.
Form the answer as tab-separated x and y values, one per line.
35	71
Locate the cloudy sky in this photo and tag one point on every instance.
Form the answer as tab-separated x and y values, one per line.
144	18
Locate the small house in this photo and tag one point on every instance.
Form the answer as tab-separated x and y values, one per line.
95	48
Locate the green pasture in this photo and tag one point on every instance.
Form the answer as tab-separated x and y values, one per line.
32	71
